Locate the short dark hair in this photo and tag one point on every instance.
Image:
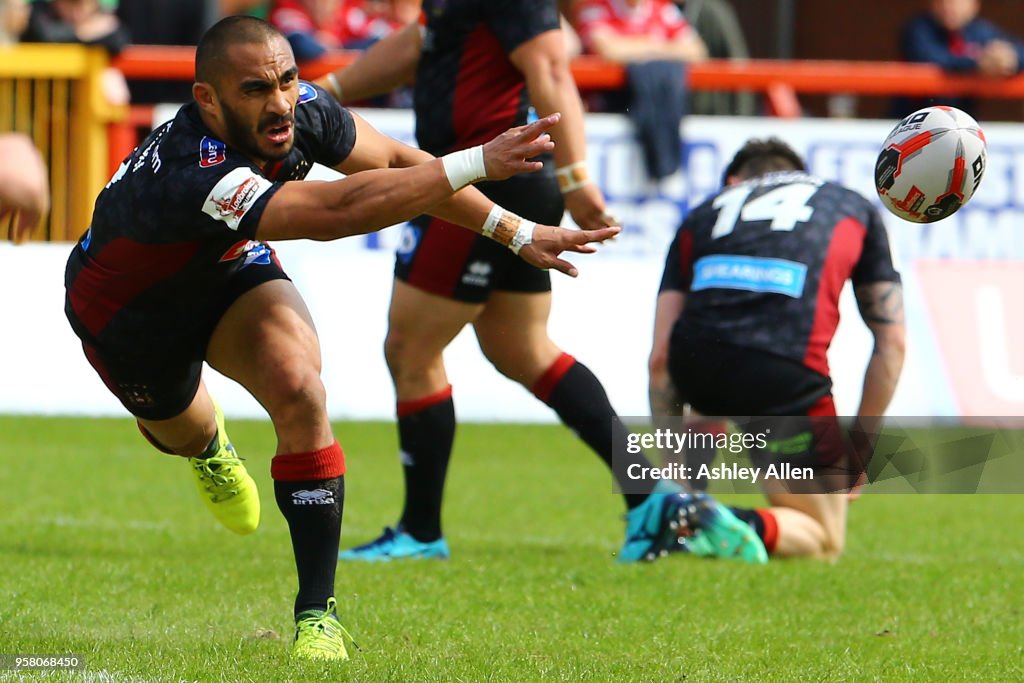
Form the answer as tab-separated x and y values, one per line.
758	157
234	30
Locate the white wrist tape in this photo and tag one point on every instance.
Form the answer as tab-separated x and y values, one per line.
572	177
464	167
508	229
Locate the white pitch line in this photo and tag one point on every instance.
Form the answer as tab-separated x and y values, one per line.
88	523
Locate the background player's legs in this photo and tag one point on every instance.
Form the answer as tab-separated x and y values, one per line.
266	342
512	331
809	525
420	326
806	517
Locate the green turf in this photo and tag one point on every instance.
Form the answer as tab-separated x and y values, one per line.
106	551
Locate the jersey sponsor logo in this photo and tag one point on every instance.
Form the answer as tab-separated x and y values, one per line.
307	93
212	152
233	196
749	273
252	251
314	497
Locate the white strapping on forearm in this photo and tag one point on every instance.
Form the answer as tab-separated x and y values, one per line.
524	235
464	167
572	177
508	229
492	220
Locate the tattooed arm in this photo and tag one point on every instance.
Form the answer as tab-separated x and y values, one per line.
881	307
660	390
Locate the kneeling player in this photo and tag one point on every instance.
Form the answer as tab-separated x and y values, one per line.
748	305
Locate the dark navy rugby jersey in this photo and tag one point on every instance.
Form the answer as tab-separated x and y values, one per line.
180	217
467	90
763	263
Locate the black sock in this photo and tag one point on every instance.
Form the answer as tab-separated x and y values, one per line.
751	517
211	448
582	404
425	436
313	511
763	522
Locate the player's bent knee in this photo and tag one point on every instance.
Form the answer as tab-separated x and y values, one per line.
407	359
834	543
297	386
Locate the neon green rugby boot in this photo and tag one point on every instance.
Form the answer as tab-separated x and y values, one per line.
225	486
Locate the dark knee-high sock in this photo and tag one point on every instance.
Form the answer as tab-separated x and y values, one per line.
576	395
426	432
761	521
310	492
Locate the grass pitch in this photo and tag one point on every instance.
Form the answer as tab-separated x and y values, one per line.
107	552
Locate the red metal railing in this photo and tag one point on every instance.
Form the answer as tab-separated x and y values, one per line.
780	81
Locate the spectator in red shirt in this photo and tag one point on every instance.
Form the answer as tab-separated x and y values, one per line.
364	22
315	27
312	27
637	30
653	40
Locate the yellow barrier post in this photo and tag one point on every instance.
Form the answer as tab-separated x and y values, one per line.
53	93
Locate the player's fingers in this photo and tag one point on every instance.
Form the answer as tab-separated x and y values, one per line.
599	235
532	130
563	266
581	248
542	144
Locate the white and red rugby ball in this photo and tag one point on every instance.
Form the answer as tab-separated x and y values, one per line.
931	164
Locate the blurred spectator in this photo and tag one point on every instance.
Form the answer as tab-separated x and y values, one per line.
75	21
364	22
951	35
312	27
316	27
13	20
653	39
165	22
85	22
24	185
628	31
717	25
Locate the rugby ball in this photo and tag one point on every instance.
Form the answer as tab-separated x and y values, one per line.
931	164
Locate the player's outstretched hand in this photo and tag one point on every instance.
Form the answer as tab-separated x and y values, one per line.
510	152
548	242
586	205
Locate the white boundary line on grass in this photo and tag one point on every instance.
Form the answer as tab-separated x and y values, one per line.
89	523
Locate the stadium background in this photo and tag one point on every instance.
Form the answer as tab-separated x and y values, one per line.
961	277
